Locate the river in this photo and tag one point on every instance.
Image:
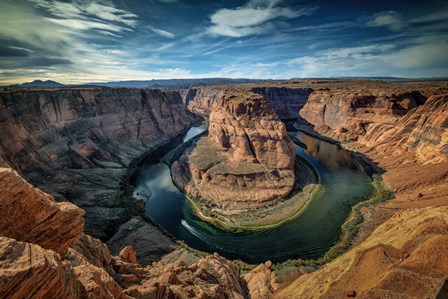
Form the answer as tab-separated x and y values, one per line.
307	236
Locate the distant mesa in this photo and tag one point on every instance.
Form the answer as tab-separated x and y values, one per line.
40	83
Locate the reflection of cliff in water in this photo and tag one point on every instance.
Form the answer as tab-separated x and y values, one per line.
331	155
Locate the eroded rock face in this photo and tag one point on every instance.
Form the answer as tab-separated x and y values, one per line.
210	277
347	113
78	143
407	256
247	157
29	215
29	271
261	282
423	131
201	99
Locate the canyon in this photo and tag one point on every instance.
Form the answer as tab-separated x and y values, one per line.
79	146
246	160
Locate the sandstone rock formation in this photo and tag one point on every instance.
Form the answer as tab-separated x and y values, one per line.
29	215
261	282
80	143
209	277
406	257
423	132
29	271
247	158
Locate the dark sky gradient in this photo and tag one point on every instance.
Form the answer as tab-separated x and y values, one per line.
82	41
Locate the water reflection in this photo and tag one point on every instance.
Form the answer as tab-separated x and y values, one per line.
327	153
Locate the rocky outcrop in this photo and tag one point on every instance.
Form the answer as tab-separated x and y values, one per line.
29	271
423	132
29	215
406	257
149	243
261	282
78	143
209	277
246	160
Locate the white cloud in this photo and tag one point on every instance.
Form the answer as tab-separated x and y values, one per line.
389	19
256	17
162	32
416	58
230	31
86	25
88	12
245	17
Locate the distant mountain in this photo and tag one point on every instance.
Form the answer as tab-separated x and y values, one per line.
175	84
39	83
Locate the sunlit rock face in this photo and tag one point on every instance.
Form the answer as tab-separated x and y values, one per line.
247	158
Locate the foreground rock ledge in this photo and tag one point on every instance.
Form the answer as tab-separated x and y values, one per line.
246	160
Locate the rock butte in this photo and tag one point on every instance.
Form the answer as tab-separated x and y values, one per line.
400	250
246	160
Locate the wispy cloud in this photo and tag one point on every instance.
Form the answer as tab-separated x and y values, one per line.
87	10
76	41
254	18
417	57
162	32
389	19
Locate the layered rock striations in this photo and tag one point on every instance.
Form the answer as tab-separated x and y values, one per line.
247	158
287	101
201	99
29	271
406	257
345	113
422	132
29	215
78	143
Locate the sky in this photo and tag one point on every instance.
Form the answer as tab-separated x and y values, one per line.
95	41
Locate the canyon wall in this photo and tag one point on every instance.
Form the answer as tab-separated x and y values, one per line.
404	131
345	114
79	143
286	100
200	99
408	125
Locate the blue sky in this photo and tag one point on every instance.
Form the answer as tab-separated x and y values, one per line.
85	41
